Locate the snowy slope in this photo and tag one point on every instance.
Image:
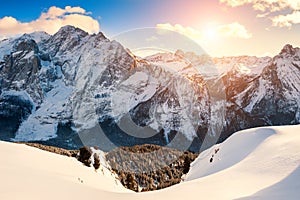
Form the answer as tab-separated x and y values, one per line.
260	163
30	173
42	123
251	161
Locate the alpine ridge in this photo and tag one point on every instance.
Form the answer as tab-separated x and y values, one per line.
65	88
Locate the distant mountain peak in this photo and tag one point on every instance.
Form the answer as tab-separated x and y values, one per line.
70	29
100	36
288	49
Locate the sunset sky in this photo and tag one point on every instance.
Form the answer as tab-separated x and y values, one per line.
220	27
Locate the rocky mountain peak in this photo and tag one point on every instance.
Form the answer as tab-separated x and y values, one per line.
65	40
71	29
69	33
100	36
288	49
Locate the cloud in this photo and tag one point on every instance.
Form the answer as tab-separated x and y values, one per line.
274	7
233	30
286	20
234	3
263	15
264	5
50	22
187	31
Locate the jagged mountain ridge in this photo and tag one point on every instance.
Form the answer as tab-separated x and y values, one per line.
271	98
254	91
54	87
73	81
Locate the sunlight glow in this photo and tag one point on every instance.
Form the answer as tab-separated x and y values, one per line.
210	34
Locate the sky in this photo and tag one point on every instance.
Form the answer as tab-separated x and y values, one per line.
220	27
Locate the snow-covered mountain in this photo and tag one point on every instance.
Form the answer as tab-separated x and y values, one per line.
259	163
270	97
71	86
74	82
253	91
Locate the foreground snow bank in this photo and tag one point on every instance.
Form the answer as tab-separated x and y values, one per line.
248	162
260	163
30	173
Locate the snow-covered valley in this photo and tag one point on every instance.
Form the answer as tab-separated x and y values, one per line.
259	163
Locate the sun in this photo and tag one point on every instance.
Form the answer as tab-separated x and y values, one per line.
210	33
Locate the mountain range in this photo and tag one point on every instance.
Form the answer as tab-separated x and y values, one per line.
72	89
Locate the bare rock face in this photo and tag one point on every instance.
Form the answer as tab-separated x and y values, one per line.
19	85
19	69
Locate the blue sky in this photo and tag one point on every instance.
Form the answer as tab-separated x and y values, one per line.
222	27
113	15
120	15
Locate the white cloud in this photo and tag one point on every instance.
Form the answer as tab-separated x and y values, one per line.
233	30
264	5
50	22
268	7
286	20
234	3
187	31
263	15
